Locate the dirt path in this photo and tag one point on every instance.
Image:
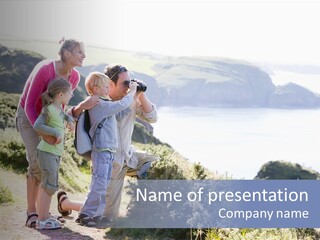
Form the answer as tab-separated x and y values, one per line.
13	216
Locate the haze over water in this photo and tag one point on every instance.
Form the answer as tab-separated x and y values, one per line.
238	141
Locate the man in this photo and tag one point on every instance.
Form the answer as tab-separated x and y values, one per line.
127	160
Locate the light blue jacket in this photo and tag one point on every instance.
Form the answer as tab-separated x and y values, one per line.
103	122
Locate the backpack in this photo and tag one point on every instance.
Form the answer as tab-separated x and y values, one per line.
82	140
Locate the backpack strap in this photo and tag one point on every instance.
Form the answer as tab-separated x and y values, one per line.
87	124
99	125
95	131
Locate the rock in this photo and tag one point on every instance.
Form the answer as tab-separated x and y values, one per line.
292	96
285	170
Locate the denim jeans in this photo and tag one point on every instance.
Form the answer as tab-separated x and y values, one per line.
101	173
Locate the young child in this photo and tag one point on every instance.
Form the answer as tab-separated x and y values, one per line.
103	131
51	122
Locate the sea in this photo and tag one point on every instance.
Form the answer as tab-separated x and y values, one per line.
236	142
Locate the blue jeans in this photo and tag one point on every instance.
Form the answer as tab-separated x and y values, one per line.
101	173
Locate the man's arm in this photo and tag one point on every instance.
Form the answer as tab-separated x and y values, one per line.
146	104
146	111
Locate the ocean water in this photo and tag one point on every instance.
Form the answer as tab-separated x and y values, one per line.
238	141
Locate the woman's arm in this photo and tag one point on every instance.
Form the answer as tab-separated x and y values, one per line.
88	103
36	88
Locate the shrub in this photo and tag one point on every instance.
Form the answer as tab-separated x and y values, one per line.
285	170
71	178
13	156
5	195
8	108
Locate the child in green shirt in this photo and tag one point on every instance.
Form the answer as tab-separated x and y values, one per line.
51	122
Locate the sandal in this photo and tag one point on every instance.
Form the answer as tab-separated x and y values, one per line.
60	201
88	221
48	224
59	218
31	223
80	218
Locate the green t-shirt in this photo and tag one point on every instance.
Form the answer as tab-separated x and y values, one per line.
53	125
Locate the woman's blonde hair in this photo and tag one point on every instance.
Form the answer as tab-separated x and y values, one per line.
95	79
68	45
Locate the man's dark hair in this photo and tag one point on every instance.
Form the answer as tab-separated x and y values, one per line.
113	71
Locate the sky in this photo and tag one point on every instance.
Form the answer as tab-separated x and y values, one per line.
269	31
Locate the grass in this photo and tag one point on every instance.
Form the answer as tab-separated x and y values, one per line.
5	194
182	69
170	166
95	55
71	178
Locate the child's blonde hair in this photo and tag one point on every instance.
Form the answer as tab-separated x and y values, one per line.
95	79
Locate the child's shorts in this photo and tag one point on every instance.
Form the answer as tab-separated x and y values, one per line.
49	164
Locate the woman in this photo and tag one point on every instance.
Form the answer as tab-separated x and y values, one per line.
71	55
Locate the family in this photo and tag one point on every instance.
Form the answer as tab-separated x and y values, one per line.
114	102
